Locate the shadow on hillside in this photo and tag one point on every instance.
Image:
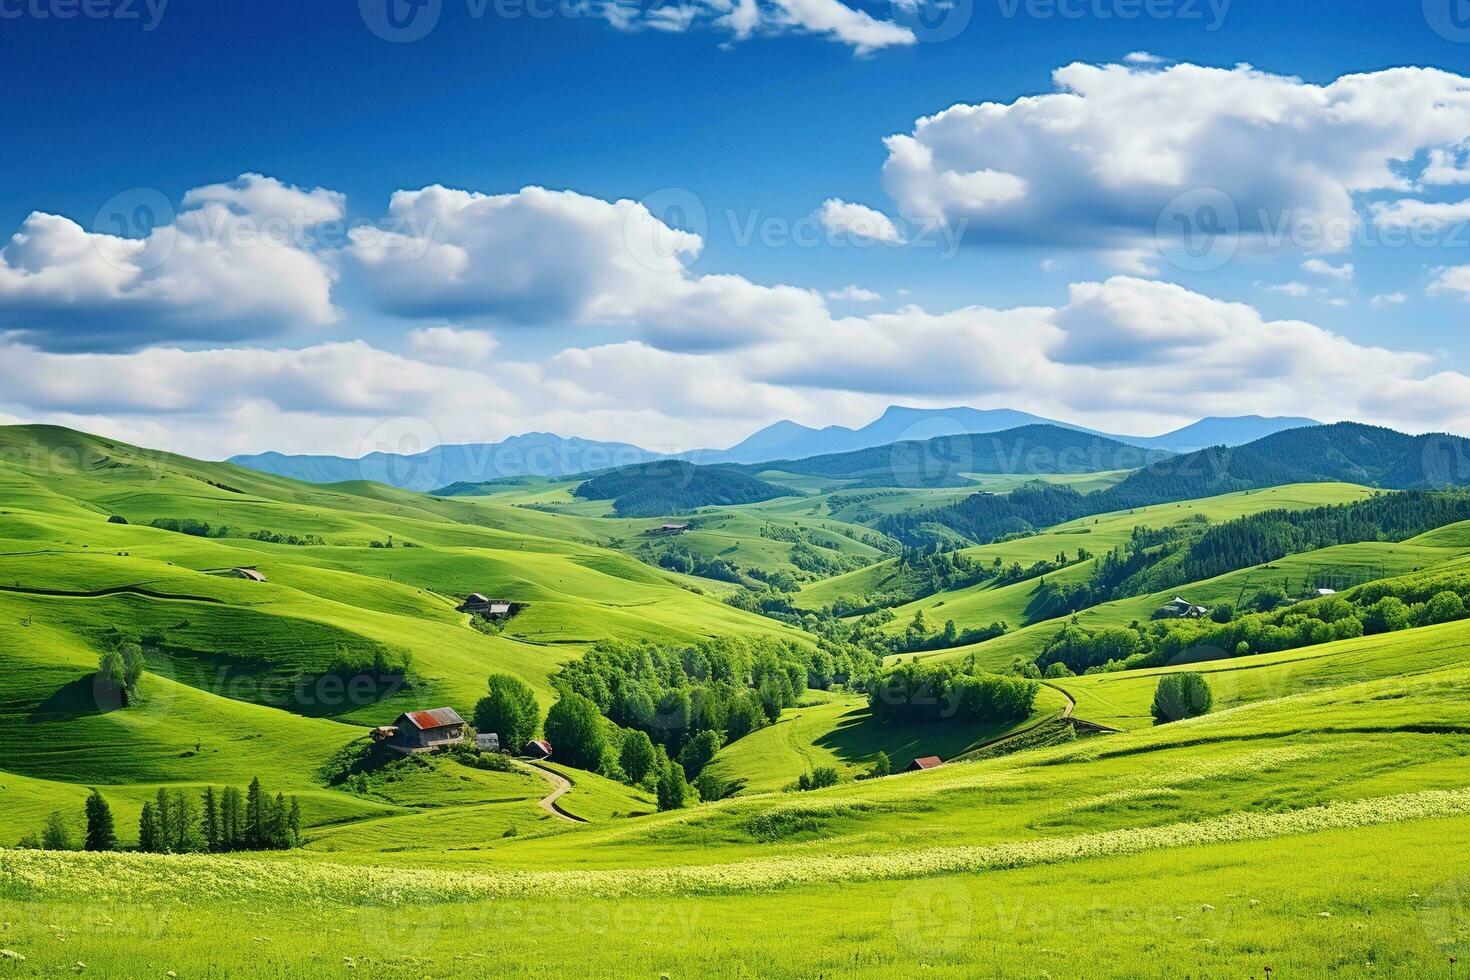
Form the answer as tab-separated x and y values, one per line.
73	700
859	737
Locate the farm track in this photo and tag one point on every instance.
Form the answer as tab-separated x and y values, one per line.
561	786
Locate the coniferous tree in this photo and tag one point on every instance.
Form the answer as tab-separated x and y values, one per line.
163	813
255	815
232	819
101	833
211	820
148	830
277	832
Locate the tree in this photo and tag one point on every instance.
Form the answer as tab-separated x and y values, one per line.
637	757
1223	612
231	819
882	766
509	710
1387	615
574	729
698	752
148	830
163	813
819	778
673	790
56	835
1444	607
101	833
111	683
1181	696
211	821
255	816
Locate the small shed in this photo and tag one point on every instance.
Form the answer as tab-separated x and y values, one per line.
487	742
1181	608
424	731
252	573
537	748
925	763
1323	593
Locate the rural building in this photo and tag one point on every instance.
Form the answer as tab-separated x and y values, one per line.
476	604
1322	593
423	731
487	742
1182	609
925	763
537	748
250	573
670	529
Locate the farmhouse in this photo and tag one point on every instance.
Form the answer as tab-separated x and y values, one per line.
487	742
537	748
670	529
476	604
925	763
424	731
251	573
1180	608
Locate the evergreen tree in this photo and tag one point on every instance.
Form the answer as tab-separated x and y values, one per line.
163	813
277	831
232	819
101	833
211	821
255	816
148	830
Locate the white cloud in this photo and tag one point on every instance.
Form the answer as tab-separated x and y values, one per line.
858	221
745	19
1447	166
1142	58
1451	279
1296	290
1409	215
855	294
452	346
1096	162
1387	299
1318	267
220	271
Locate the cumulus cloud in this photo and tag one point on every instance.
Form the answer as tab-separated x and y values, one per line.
1318	267
857	221
744	19
453	346
1096	162
1296	290
1387	299
230	266
1451	279
855	294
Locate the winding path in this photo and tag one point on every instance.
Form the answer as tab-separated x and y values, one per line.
561	786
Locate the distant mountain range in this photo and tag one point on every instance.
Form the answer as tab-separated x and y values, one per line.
533	454
544	454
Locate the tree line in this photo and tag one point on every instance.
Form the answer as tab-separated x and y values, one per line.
175	823
957	693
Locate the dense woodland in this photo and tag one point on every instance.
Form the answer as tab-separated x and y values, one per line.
672	486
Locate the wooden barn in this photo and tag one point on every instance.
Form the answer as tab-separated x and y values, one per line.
537	748
669	529
925	763
477	604
424	731
252	573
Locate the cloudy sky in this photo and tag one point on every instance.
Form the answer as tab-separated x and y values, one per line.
233	226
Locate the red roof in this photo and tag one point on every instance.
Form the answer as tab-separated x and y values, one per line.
432	718
929	762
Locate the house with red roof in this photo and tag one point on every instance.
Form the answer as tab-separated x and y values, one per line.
924	763
424	731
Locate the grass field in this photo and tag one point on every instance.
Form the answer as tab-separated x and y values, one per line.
1317	822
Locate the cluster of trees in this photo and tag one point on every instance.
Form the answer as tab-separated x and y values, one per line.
204	529
119	670
1180	696
173	823
639	711
920	692
1378	607
921	635
679	558
987	517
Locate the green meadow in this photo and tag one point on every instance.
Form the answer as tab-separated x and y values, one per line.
1316	821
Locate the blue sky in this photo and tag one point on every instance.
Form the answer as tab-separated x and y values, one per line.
755	132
